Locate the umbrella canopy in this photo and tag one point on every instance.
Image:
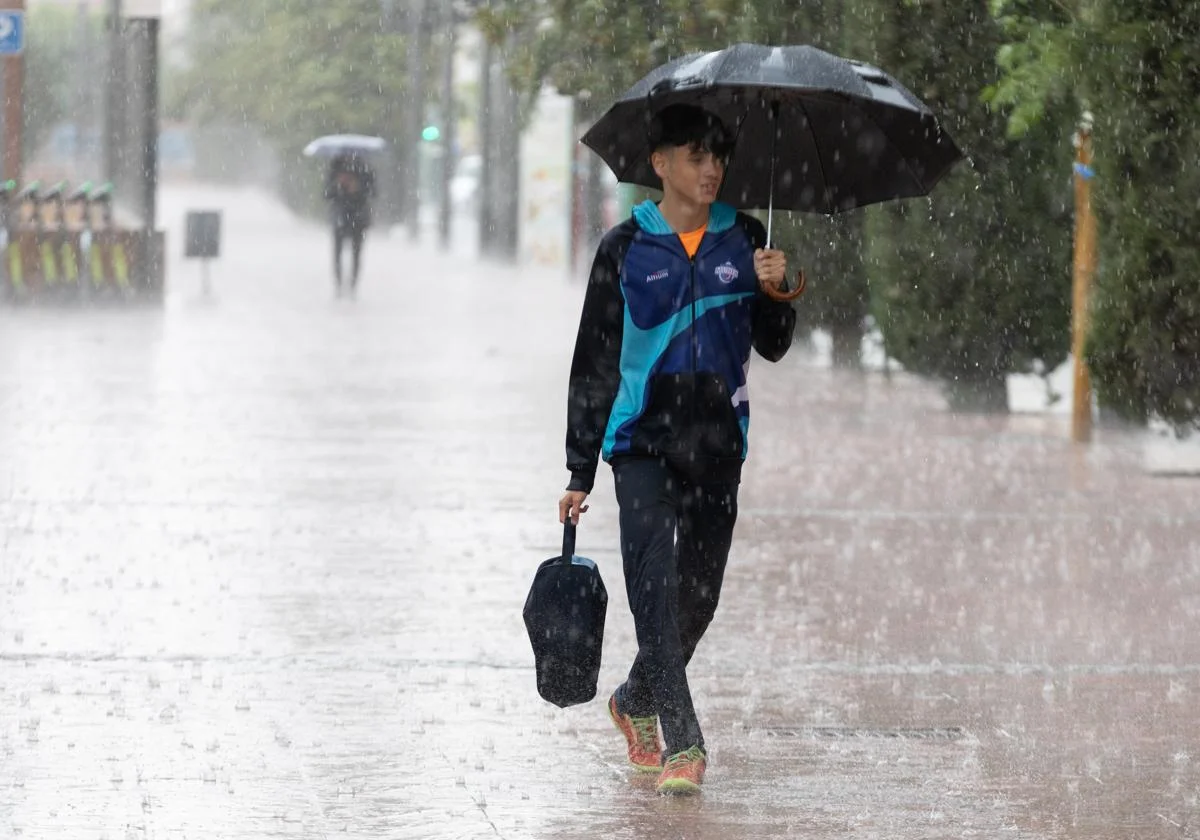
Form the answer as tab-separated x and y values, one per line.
812	131
332	145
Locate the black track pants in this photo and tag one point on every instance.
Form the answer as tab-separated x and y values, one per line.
675	539
341	234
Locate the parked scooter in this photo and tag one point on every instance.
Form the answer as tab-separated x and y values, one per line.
109	258
60	259
78	222
28	221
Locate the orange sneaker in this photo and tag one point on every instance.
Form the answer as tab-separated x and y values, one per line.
641	735
683	772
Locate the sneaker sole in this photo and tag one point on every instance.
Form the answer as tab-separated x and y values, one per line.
679	787
641	768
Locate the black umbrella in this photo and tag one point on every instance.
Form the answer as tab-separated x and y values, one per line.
812	131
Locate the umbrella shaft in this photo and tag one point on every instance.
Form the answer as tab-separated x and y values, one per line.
771	193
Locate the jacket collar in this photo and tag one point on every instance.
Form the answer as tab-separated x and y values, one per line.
650	219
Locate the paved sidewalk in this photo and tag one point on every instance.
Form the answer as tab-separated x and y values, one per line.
263	553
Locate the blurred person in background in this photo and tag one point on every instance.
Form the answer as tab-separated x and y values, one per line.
349	189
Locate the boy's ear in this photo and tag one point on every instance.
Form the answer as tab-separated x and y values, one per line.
659	160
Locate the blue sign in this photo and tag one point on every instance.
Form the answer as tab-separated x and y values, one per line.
12	32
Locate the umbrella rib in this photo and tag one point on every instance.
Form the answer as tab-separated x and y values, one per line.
634	163
817	146
736	137
725	58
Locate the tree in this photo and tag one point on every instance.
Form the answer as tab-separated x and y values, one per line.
1144	349
293	71
48	96
973	283
1134	65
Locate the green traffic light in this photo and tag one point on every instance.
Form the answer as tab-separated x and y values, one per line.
430	133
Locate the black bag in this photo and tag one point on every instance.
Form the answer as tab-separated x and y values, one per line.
564	615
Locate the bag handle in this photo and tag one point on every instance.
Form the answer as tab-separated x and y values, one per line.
568	547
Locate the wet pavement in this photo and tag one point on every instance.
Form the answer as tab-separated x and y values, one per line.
264	553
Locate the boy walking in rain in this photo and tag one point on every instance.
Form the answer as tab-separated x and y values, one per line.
673	306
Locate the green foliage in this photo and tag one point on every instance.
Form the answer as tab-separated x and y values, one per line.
1144	350
594	49
829	249
972	283
1040	60
1134	64
294	71
51	32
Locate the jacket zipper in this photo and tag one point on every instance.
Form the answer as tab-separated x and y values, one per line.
695	340
695	344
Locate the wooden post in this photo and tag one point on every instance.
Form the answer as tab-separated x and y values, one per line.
14	102
1084	268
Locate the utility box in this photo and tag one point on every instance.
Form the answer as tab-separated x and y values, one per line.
203	237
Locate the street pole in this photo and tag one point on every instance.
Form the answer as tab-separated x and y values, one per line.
487	152
14	107
390	186
449	124
411	153
83	83
114	94
150	126
1084	268
507	133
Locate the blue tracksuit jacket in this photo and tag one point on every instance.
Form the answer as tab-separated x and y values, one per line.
664	346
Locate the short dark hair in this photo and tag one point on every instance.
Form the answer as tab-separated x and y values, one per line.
689	125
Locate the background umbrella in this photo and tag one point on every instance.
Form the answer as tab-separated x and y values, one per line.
332	145
812	131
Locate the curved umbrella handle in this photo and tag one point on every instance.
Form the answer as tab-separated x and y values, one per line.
801	284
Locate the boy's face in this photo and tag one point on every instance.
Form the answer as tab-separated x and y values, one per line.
690	172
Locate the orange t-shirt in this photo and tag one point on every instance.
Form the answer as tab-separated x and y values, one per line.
691	240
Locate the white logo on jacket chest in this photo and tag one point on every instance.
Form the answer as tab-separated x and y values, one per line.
658	275
726	273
